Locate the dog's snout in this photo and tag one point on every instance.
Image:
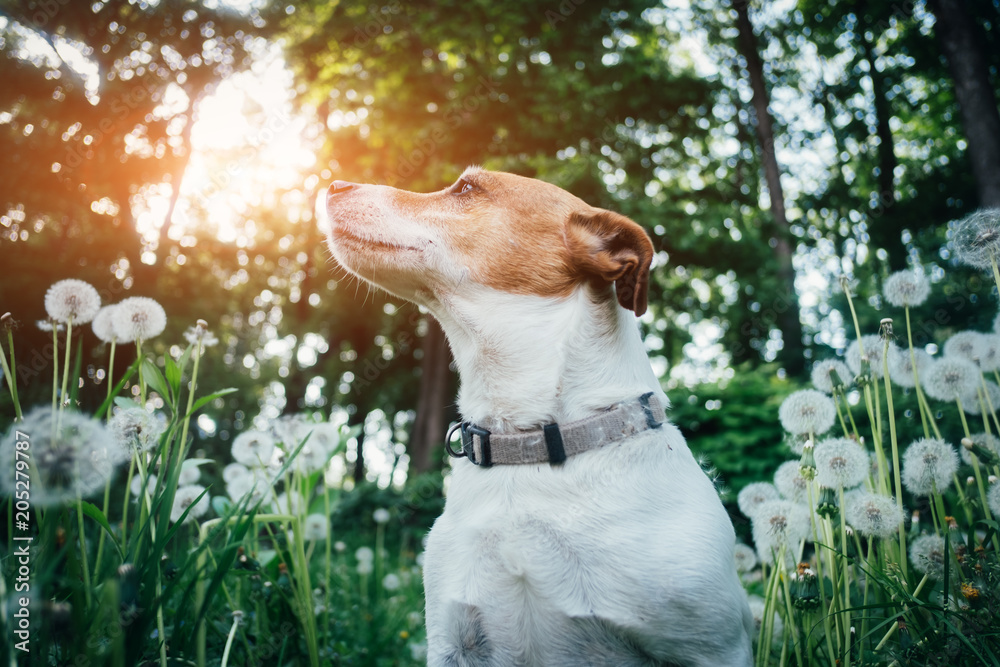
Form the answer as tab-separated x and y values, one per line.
339	188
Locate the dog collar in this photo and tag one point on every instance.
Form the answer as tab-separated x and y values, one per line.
554	444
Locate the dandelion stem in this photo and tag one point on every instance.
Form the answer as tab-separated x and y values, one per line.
65	381
111	377
9	372
916	376
229	641
895	451
847	578
55	367
83	550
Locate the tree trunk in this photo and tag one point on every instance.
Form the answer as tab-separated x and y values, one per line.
435	400
962	46
788	316
883	216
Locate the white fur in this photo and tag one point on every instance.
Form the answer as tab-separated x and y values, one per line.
622	555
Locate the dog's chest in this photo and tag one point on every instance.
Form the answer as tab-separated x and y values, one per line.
596	554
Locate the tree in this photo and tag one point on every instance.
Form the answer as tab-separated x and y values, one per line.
962	45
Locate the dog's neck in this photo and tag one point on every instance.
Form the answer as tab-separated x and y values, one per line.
525	361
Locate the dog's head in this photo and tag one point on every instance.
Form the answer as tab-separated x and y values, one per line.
511	233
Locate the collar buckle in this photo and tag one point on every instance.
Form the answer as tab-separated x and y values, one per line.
469	431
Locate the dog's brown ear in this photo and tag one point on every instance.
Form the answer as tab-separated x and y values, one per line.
610	247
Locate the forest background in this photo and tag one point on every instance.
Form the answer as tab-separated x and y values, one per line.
177	150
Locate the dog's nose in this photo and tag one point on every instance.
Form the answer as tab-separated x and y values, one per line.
339	188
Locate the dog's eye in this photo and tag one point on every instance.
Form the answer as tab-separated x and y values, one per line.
462	186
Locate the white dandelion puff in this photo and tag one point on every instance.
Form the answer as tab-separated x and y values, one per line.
754	495
290	503
987	441
757	609
965	344
745	557
901	365
48	326
906	288
391	582
790	483
72	299
198	334
840	462
187	497
927	555
807	411
365	567
993	499
874	348
364	554
254	485
234	471
951	378
874	515
136	430
103	324
136	485
73	456
829	373
971	404
190	474
381	515
324	436
315	527
777	524
977	238
253	448
138	318
989	352
928	465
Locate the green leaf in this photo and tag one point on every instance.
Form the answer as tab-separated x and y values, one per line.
173	374
91	510
208	399
151	374
117	389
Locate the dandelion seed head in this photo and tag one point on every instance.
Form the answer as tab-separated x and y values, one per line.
977	238
254	484
72	299
196	334
391	582
365	567
901	365
778	523
757	609
928	463
807	411
989	352
234	471
790	483
253	448
754	495
381	515
315	527
290	503
136	430
190	474
364	554
138	318
840	462
136	486
745	557
874	348
965	344
927	555
971	402
874	515
48	326
72	455
993	499
187	497
828	372
906	288
951	377
103	324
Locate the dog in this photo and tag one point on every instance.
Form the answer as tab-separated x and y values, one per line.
578	528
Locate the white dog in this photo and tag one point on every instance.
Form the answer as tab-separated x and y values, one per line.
579	530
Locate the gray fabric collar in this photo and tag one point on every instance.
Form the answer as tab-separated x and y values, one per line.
553	443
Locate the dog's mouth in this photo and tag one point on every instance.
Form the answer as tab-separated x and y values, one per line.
342	236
